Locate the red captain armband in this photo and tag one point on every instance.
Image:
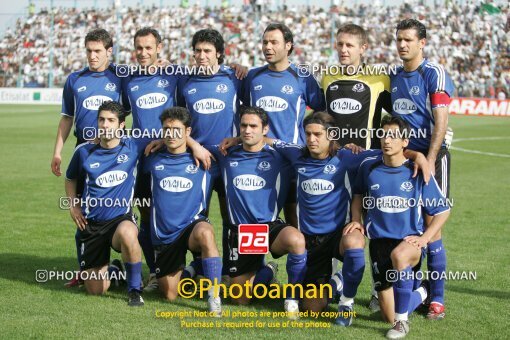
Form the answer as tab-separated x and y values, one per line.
439	99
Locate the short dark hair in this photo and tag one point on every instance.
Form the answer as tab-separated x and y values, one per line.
213	37
403	127
114	107
253	110
407	24
101	35
176	113
327	121
145	31
354	29
287	33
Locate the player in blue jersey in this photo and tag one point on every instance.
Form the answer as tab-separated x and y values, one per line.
178	223
283	93
395	202
104	217
213	101
324	177
252	173
420	94
84	91
149	92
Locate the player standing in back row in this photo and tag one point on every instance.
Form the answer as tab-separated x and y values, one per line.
420	94
283	93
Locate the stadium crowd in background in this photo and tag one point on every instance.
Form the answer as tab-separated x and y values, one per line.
460	38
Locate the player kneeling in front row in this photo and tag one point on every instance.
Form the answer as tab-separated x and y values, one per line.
252	173
109	169
394	223
179	197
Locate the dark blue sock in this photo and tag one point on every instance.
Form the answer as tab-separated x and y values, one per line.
224	247
197	266
144	238
436	262
113	271
414	302
212	270
296	270
134	275
263	276
352	271
403	289
77	237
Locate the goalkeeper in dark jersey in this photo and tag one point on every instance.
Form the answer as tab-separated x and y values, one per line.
355	93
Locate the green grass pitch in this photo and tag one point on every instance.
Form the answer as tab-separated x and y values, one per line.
35	234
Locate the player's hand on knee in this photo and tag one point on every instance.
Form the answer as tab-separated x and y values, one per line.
55	165
416	241
153	146
352	227
78	218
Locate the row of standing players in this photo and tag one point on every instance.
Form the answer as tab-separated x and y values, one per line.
419	94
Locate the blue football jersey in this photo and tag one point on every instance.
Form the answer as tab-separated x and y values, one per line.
395	202
410	98
213	102
179	194
284	96
148	96
83	94
323	187
109	178
253	182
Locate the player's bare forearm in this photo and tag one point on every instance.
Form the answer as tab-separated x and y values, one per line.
356	208
70	187
437	222
440	127
64	128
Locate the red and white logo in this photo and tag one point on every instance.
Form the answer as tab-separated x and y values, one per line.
253	239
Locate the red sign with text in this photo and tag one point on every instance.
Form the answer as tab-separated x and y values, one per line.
253	239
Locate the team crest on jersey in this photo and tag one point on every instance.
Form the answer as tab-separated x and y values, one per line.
192	91
81	89
406	186
358	88
393	90
134	88
163	83
415	90
374	187
234	164
301	170
192	169
334	88
94	165
264	166
159	167
221	88
122	158
110	87
257	87
287	89
329	169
